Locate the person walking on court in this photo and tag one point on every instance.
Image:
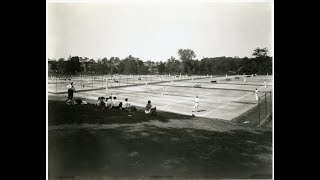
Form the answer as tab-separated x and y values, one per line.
71	90
164	90
196	104
256	94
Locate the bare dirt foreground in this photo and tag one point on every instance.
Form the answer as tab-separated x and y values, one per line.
89	143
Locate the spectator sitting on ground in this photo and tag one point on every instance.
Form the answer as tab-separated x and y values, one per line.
100	102
99	98
116	103
71	102
80	101
109	102
127	106
149	109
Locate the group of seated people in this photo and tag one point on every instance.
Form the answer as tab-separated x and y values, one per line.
110	102
115	103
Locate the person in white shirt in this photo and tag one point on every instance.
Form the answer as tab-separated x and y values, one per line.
265	84
71	90
256	94
109	102
116	103
127	106
196	104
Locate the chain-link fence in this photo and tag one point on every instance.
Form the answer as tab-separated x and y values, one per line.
265	108
58	84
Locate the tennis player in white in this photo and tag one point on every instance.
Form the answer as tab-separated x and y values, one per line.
196	104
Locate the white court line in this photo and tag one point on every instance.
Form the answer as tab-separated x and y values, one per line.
228	103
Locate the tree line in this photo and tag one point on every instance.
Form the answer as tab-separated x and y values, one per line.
260	63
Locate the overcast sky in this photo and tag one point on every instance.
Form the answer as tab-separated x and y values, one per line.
155	31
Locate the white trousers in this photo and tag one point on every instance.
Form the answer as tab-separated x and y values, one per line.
196	105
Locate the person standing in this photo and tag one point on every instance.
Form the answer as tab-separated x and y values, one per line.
71	90
256	94
265	83
196	104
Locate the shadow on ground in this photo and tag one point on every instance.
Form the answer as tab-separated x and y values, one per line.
157	152
151	151
61	113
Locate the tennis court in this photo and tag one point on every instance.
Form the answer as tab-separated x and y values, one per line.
94	82
226	99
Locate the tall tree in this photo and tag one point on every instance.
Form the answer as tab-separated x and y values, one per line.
73	65
54	66
173	66
161	67
186	56
258	52
61	65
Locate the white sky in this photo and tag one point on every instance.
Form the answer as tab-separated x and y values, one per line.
155	31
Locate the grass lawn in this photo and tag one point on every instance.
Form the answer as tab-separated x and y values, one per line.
87	142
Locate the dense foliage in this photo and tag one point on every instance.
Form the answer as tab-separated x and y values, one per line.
260	63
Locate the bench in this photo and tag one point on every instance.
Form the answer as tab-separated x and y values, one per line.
237	77
228	79
214	81
197	86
